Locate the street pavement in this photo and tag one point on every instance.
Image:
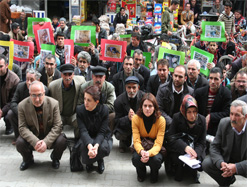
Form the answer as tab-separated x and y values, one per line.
119	170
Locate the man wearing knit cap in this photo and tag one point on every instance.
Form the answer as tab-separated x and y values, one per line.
66	91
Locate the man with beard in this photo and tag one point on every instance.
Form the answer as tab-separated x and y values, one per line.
195	79
170	94
83	68
228	152
66	91
239	87
125	107
49	72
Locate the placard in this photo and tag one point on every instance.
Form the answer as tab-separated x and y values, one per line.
131	5
7	49
213	31
23	51
112	50
68	50
34	21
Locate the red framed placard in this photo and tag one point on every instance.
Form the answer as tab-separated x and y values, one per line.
112	50
43	34
68	50
23	51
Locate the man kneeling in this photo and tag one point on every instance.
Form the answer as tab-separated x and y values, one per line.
40	127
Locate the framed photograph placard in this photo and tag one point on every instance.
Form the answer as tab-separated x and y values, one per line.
213	31
45	50
203	57
174	58
23	51
7	49
34	21
83	35
147	57
68	50
112	50
43	34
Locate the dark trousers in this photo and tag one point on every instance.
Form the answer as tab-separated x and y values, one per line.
6	120
13	120
125	140
154	163
26	150
103	150
210	168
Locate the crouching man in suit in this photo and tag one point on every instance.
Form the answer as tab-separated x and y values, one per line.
40	127
228	152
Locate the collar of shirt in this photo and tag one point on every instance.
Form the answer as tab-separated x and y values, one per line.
195	82
242	131
174	90
86	70
66	89
48	75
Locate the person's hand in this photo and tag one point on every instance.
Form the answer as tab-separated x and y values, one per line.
189	150
228	66
131	114
207	120
169	33
31	60
1	113
145	156
41	23
23	32
7	21
90	151
196	15
40	146
92	48
217	14
73	61
210	65
228	169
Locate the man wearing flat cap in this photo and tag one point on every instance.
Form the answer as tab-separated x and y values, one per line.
108	95
125	107
66	91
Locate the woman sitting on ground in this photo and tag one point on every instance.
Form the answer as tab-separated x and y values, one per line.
148	124
95	134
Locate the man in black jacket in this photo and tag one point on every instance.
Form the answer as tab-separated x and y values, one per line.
170	94
119	78
121	17
213	100
126	105
195	79
136	43
102	34
23	23
162	76
49	72
60	47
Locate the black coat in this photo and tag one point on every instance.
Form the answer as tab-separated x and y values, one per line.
118	82
122	107
165	99
142	46
118	19
43	77
154	83
102	35
88	76
145	73
93	125
201	82
236	66
220	107
198	132
25	24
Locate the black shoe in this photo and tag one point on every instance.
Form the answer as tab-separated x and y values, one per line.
55	164
179	174
25	165
9	130
196	177
140	179
101	166
89	168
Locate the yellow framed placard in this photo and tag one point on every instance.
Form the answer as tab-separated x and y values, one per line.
7	49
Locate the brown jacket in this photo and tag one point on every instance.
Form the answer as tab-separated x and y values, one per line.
190	18
5	14
28	121
18	36
7	90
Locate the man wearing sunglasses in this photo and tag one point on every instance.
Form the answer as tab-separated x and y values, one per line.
66	90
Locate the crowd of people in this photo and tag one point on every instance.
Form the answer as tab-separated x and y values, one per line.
163	114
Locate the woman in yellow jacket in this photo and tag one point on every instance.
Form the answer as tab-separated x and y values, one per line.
148	123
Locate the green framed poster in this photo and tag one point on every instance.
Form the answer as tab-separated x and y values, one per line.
174	58
203	57
83	35
147	57
34	21
213	31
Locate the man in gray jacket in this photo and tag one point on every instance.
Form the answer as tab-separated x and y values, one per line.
217	9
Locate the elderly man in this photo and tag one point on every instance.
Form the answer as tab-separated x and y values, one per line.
213	100
195	79
187	19
66	91
63	27
40	127
15	32
126	105
8	83
119	78
228	152
136	43
22	92
239	86
170	94
217	9
83	68
162	76
49	72
23	23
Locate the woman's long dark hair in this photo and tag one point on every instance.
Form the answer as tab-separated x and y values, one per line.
150	97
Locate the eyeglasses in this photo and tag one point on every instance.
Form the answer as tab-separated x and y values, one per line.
138	59
82	61
35	96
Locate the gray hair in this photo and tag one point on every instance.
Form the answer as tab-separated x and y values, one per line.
35	72
62	19
194	61
84	55
138	51
50	56
115	36
36	82
237	103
